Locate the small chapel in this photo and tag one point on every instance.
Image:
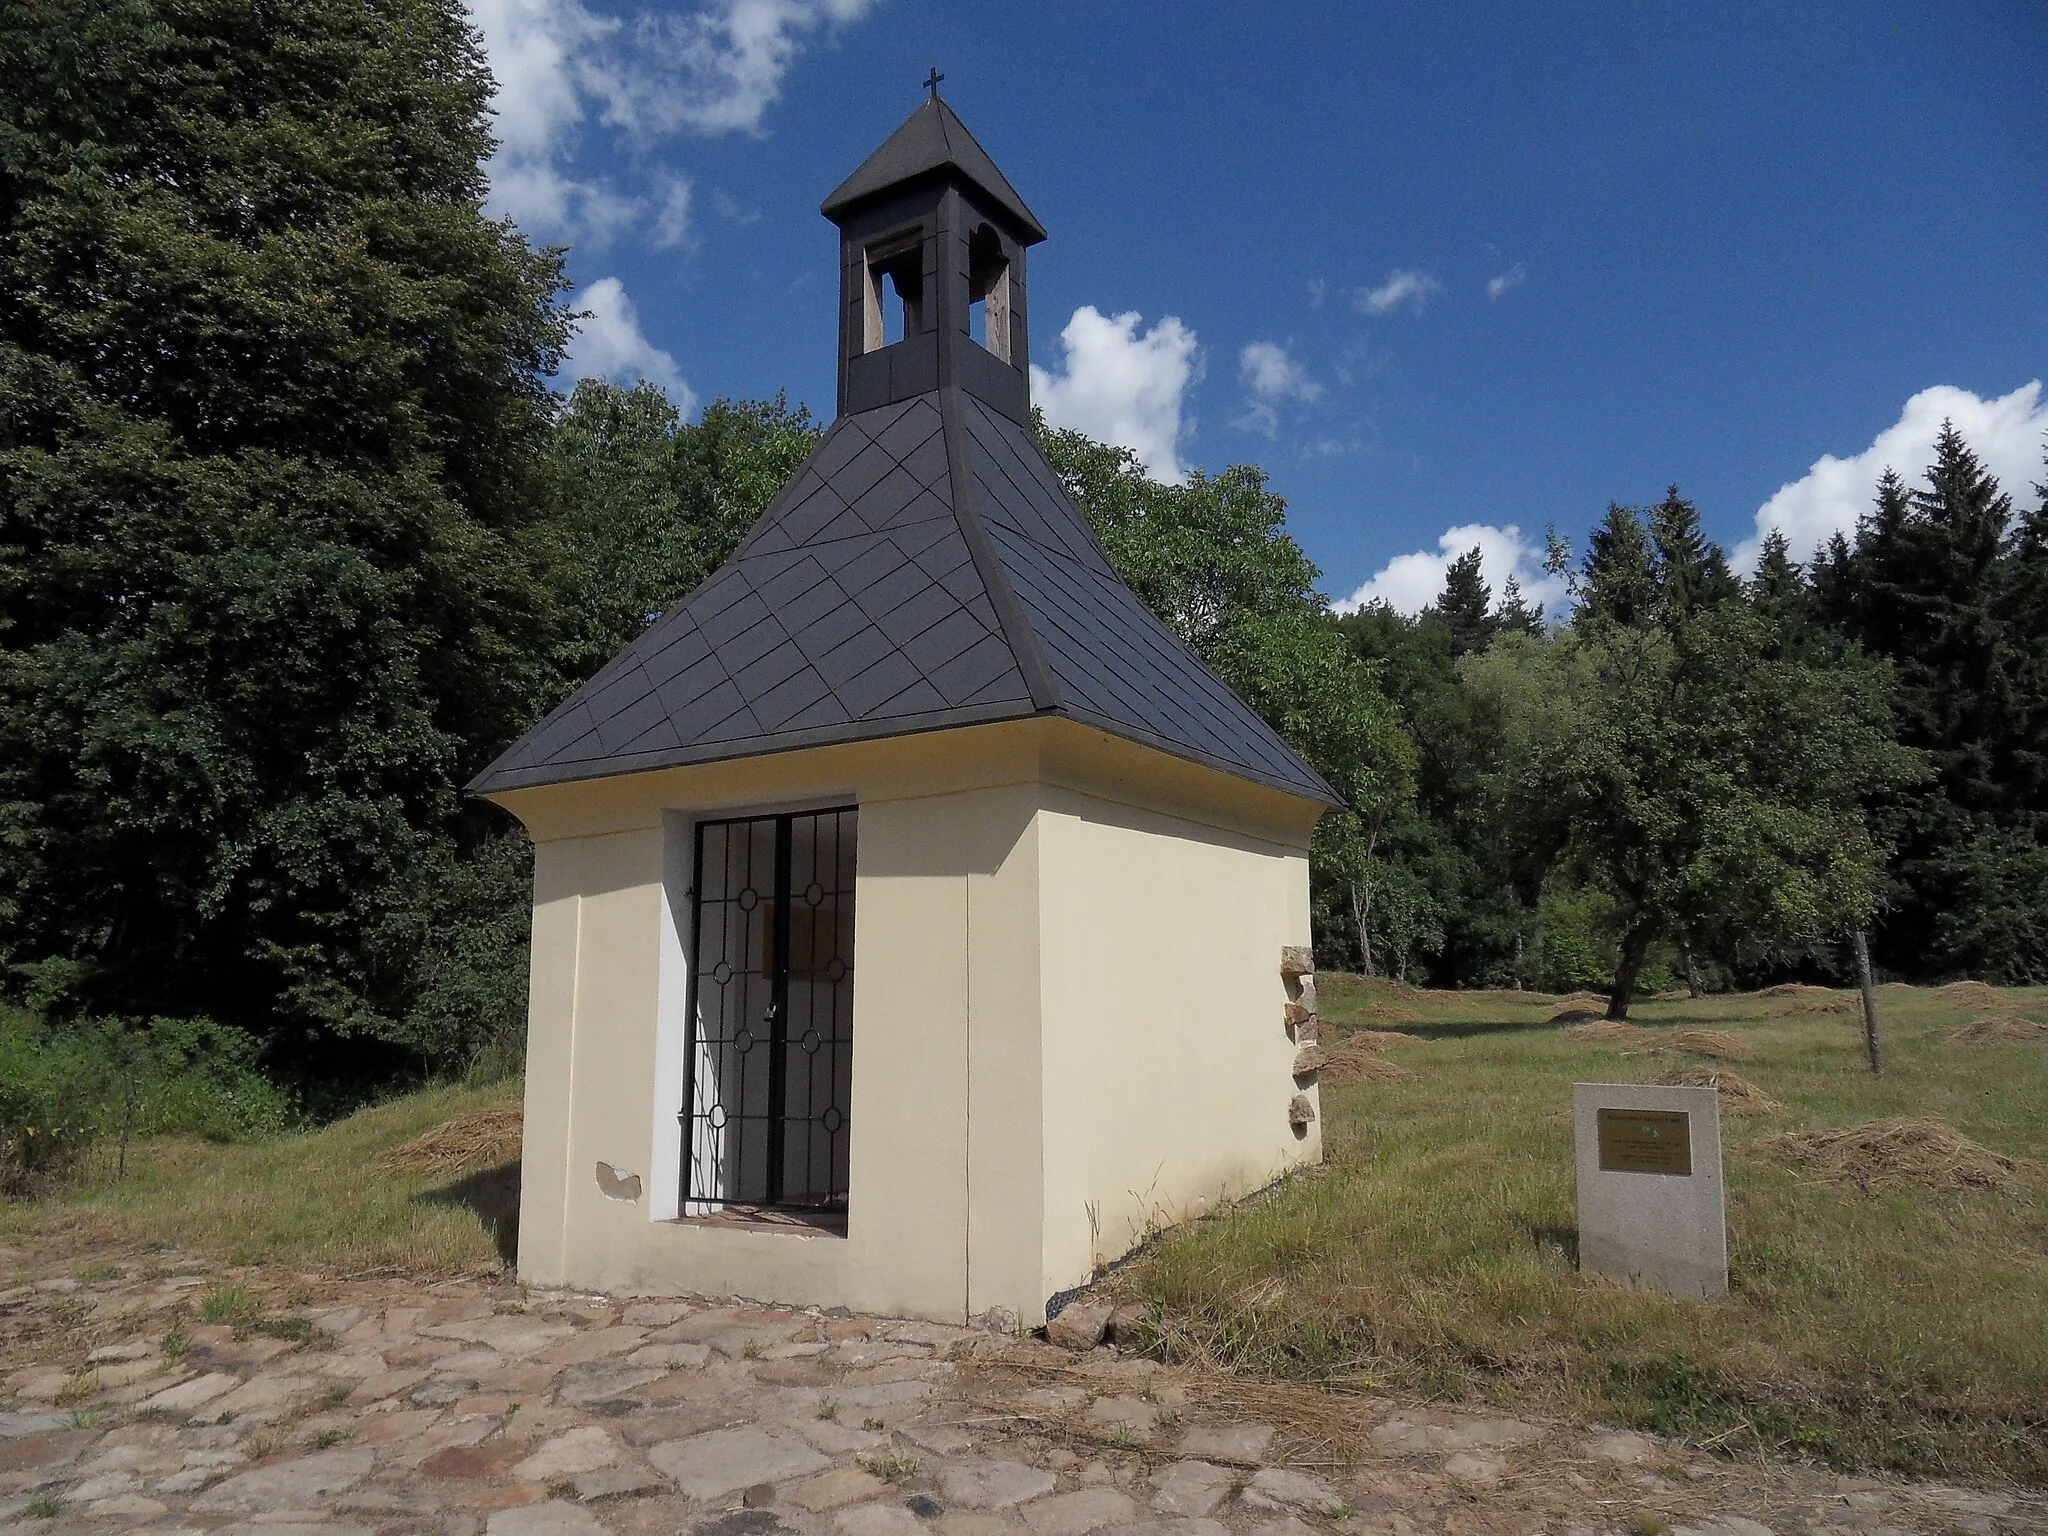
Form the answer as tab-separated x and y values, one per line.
917	923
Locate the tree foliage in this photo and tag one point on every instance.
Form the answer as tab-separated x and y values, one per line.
294	537
1667	750
1943	581
271	410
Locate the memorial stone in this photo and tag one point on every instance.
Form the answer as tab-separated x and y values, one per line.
1652	1212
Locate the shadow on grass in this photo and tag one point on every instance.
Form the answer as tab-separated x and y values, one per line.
492	1195
1466	1029
1564	1239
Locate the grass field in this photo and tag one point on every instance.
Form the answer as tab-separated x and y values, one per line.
315	1199
1881	1324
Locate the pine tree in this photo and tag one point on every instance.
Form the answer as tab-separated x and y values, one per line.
1516	614
1620	580
1931	585
1834	582
2023	601
1692	571
1779	593
1465	603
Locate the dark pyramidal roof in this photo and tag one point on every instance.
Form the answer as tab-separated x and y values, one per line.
923	570
931	141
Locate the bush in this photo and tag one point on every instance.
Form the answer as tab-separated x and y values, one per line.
64	1088
50	1093
1575	949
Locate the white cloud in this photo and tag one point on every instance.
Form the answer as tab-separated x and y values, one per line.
672	222
1120	387
2005	433
1404	285
609	344
732	210
1514	277
1410	583
1274	379
535	48
716	71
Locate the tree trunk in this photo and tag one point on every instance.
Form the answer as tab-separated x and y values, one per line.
1692	966
1361	912
1518	962
1863	979
1633	949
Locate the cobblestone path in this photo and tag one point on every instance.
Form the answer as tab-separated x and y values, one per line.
388	1407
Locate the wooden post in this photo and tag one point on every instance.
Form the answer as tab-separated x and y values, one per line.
1870	1036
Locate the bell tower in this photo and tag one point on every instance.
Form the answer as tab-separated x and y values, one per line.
931	270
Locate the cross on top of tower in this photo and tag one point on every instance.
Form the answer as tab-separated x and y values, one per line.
932	82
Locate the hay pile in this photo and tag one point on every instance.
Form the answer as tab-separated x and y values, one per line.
1998	1029
1377	1039
1635	1040
1577	1013
1584	1000
1973	994
1923	1152
472	1141
1832	1003
1357	1059
1392	988
1792	989
1739	1096
1387	1013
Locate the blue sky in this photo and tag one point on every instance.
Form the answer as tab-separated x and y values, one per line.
1450	274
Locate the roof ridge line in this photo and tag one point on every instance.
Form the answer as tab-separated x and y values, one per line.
1017	630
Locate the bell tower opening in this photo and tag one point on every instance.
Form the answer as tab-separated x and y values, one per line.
988	291
933	291
894	297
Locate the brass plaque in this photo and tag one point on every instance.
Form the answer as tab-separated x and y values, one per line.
1646	1141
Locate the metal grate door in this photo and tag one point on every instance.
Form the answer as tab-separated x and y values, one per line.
770	1039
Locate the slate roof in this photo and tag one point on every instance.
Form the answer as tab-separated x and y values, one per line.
923	570
931	139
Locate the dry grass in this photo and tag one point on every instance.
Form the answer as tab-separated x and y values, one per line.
1914	1151
317	1198
1377	1039
1578	1013
1358	1060
1973	994
1826	1006
1436	1249
1388	1013
1998	1029
468	1141
1794	989
1739	1096
1635	1040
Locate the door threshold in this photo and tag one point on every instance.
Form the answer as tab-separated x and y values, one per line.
765	1218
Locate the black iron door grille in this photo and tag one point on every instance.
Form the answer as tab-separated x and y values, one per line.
769	1069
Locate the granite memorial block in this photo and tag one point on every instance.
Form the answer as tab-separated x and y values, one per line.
1652	1211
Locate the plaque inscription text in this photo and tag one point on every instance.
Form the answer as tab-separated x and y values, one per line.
1646	1141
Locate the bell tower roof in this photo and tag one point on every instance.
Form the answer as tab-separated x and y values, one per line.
931	141
925	569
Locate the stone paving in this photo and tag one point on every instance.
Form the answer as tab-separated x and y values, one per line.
386	1407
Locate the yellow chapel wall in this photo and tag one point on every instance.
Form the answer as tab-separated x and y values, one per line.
1168	1066
1067	1016
945	1009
